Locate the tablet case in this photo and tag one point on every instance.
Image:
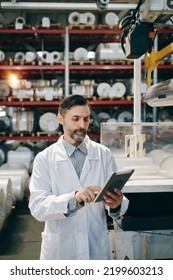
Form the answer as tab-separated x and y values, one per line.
116	180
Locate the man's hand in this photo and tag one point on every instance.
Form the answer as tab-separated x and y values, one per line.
113	200
88	194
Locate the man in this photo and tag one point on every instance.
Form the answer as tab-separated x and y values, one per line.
64	182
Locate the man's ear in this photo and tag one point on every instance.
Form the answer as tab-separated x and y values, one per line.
60	119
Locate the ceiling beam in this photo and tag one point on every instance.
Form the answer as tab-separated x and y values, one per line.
63	6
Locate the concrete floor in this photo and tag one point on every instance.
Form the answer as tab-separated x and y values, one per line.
20	238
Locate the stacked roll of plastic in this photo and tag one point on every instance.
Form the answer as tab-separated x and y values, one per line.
117	90
3	153
76	18
30	57
6	186
2	210
2	56
22	155
23	121
49	93
164	159
159	156
19	178
4	123
4	90
48	122
19	23
19	57
80	54
111	19
125	116
109	51
103	89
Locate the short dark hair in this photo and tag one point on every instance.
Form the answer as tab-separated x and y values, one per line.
70	101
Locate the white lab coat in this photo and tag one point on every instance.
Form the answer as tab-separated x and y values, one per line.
54	180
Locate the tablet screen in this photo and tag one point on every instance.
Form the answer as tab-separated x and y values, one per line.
116	180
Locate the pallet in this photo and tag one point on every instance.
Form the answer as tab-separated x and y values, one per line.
40	99
107	26
21	134
130	97
41	63
52	26
46	134
3	98
12	26
22	63
115	62
82	26
82	62
111	98
18	99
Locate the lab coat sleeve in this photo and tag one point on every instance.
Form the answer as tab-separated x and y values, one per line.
43	204
122	210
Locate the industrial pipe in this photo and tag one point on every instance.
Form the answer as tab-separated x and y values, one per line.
62	6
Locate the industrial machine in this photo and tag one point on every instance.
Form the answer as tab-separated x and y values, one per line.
141	27
146	229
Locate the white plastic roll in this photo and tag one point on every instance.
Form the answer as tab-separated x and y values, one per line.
91	55
28	84
143	87
80	54
111	18
4	123
56	56
158	156
19	57
23	121
22	155
45	22
125	116
103	89
30	56
111	123
117	90
12	144
4	89
167	165
3	154
2	212
19	179
168	148
2	195
74	18
110	51
19	22
17	187
48	122
6	186
44	56
104	116
87	18
2	56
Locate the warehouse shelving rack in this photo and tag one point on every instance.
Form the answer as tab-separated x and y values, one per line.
32	70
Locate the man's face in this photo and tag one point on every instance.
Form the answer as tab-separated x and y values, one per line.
75	123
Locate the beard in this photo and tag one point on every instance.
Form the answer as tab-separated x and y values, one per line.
78	134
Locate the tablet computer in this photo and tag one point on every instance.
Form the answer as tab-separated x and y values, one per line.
116	180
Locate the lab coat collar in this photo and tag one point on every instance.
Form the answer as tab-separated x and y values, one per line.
91	147
70	148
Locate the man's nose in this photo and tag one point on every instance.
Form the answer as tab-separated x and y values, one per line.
82	124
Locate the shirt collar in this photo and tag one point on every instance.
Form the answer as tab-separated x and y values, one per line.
70	148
